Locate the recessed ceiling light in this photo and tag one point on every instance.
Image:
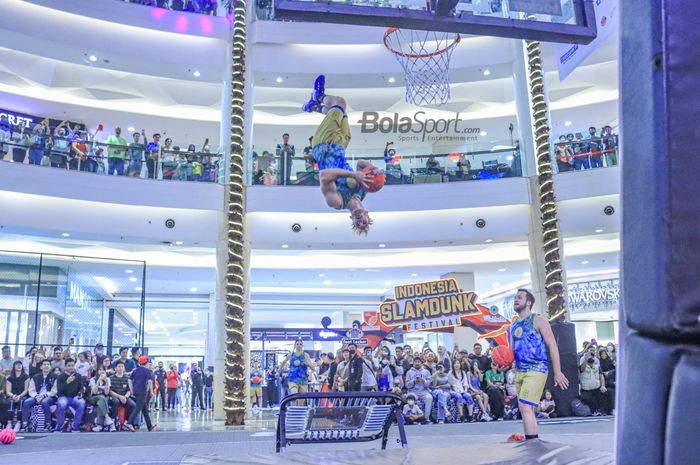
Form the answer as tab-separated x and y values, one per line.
567	123
92	58
381	246
196	74
486	72
178	242
65	234
322	275
585	262
128	271
482	133
130	129
132	279
598	230
526	274
392	80
488	240
495	284
279	79
413	275
501	269
327	282
193	289
285	246
139	289
387	283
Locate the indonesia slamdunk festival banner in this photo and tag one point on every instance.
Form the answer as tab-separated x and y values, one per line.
436	305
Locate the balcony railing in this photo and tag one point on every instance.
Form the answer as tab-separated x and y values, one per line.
485	161
204	7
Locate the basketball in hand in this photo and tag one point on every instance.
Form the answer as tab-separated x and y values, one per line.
378	179
502	356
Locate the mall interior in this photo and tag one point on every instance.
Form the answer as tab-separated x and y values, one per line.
127	247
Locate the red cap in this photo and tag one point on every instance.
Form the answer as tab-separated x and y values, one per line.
143	359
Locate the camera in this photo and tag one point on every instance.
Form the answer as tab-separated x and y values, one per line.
480	223
296	227
170	223
609	210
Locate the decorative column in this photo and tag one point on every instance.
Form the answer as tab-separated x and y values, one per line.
235	382
554	284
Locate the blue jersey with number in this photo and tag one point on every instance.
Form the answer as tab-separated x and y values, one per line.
528	345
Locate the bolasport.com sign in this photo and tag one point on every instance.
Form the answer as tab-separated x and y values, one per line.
419	128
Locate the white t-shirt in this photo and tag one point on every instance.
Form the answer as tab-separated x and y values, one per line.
82	368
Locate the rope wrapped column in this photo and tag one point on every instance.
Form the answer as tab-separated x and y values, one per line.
235	380
554	285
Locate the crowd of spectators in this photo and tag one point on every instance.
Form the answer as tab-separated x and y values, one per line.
205	7
595	150
97	391
75	148
438	387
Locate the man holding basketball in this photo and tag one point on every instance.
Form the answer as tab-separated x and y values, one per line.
530	336
340	185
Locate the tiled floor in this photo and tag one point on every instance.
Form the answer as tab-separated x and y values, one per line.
185	433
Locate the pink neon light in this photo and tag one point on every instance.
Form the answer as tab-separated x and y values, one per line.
181	24
158	13
206	25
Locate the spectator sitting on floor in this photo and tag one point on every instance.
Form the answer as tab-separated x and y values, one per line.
441	392
483	360
99	397
6	360
128	363
459	391
70	386
5	415
120	393
418	381
17	387
495	382
593	390
412	412
83	365
547	408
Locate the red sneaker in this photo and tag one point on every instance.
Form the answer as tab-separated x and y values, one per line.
516	438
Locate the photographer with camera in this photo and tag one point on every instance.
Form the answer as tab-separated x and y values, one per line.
594	393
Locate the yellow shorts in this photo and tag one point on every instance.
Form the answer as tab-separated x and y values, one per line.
295	388
256	391
529	386
333	129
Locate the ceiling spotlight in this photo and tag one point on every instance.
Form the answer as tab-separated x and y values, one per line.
128	271
567	123
482	133
132	279
279	80
92	58
139	289
486	72
599	230
413	275
327	282
585	262
526	274
488	240
387	283
196	74
178	242
495	284
501	270
381	246
322	275
392	80
65	234
285	246
193	289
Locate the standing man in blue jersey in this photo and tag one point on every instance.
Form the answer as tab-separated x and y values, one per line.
141	386
530	337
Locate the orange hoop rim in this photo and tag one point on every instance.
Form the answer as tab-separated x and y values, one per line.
392	30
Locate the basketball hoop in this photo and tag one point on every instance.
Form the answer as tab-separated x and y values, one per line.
425	58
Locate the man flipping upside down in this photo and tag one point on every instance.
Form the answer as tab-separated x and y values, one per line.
341	186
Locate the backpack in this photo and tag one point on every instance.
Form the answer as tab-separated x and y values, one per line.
580	409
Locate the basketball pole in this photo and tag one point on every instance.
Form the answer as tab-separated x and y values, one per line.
545	200
237	263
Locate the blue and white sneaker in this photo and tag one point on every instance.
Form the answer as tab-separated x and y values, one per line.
315	103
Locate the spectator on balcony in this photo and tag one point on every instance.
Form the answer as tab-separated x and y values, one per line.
5	134
136	154
177	5
432	165
80	151
70	386
562	154
285	153
20	141
116	152
594	148
60	146
580	158
39	141
609	145
169	159
152	155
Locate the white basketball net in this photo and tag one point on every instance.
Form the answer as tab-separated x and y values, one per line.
425	58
